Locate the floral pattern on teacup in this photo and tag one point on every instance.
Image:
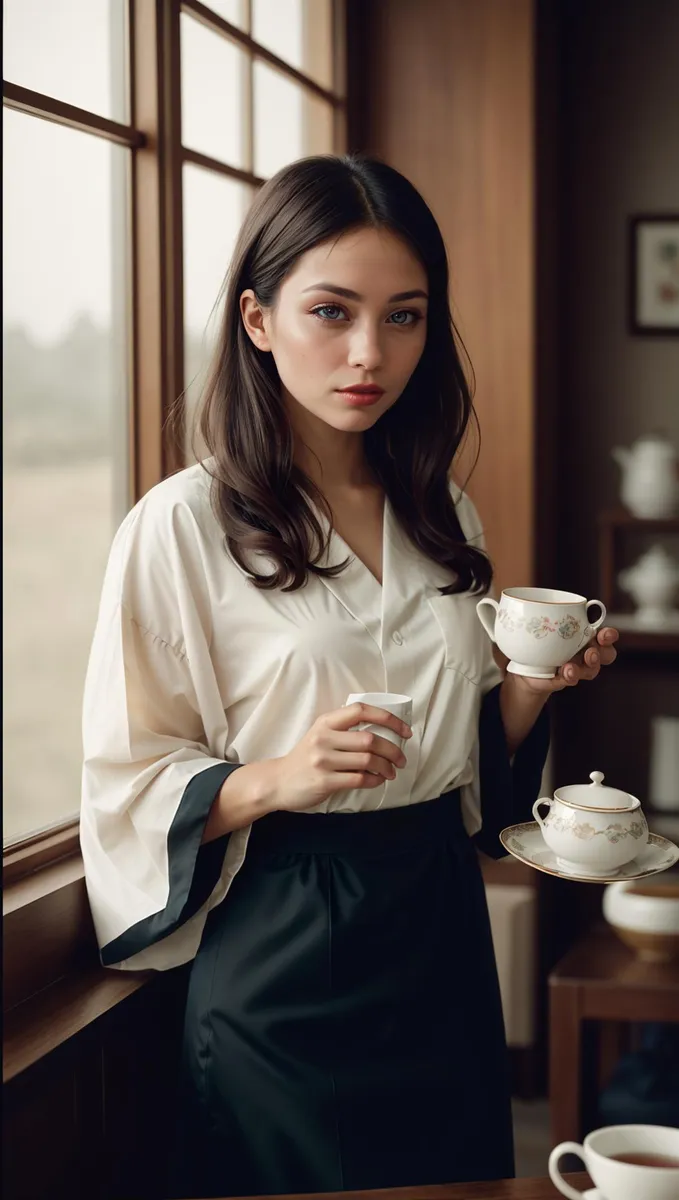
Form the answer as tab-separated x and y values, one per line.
615	832
538	627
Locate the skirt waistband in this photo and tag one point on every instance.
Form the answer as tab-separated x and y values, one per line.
384	829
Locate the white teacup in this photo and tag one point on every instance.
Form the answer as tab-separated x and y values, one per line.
618	1180
399	706
538	629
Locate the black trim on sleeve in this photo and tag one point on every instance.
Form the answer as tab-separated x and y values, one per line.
194	868
508	789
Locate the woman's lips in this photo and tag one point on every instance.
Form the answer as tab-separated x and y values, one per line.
361	397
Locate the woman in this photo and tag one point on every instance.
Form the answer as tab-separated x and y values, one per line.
343	1027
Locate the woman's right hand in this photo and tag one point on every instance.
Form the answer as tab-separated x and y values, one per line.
334	757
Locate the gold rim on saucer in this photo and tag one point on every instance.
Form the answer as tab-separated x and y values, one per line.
513	837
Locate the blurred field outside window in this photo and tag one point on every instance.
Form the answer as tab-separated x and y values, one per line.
65	388
69	356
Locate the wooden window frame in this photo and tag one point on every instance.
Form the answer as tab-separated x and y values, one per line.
47	925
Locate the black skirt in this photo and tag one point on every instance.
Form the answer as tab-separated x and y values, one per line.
343	1026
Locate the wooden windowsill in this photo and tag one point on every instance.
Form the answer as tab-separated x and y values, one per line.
39	1025
48	934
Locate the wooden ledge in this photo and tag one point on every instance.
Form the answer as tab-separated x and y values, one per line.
499	1189
47	928
39	1025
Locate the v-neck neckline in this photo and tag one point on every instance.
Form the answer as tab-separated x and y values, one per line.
334	534
355	587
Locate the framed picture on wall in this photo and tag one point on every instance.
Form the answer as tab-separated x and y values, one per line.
654	275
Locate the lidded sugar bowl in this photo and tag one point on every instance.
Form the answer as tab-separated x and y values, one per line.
592	829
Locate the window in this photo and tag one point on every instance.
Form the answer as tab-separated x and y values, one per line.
257	93
136	135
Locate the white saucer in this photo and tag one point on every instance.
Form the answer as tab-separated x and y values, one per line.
526	843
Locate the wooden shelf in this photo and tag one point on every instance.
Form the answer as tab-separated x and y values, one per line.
649	643
614	525
635	637
620	518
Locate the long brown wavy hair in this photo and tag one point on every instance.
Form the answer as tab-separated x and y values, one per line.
261	498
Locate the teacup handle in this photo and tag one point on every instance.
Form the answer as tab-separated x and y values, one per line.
592	626
555	1174
536	809
485	618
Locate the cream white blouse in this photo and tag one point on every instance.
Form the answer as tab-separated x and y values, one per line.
193	667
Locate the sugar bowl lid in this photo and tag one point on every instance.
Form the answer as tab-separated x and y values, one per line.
595	795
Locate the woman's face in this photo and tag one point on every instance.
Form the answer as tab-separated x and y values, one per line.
352	314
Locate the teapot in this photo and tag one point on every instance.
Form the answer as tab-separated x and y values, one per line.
650	486
652	583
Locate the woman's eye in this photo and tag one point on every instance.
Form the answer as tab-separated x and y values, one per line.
405	317
328	312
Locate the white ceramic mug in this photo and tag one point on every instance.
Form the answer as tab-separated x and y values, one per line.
399	706
538	629
623	1180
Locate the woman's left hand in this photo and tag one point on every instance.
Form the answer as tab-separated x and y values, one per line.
585	665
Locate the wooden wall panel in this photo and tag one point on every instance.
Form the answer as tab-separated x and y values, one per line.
95	1119
444	91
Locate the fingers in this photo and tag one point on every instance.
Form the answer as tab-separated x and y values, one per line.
341	761
365	714
586	665
353	781
574	673
363	741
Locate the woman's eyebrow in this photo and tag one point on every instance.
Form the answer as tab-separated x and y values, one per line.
416	294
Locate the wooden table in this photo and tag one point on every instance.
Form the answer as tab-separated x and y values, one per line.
599	980
501	1189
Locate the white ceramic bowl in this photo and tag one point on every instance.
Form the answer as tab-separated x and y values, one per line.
592	841
645	916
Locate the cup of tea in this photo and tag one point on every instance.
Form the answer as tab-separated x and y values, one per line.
626	1162
539	629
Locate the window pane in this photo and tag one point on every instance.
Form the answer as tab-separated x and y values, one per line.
214	78
214	208
290	122
233	11
298	31
73	50
65	444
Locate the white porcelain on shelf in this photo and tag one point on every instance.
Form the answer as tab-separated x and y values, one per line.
650	487
648	919
630	622
663	791
526	843
653	583
592	829
539	629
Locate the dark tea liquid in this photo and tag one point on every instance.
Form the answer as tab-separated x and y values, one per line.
647	1160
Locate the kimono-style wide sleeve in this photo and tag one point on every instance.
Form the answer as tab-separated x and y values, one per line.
504	789
150	772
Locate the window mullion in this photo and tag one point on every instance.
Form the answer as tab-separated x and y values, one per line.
157	239
249	99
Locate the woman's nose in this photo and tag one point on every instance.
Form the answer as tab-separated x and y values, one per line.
365	349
